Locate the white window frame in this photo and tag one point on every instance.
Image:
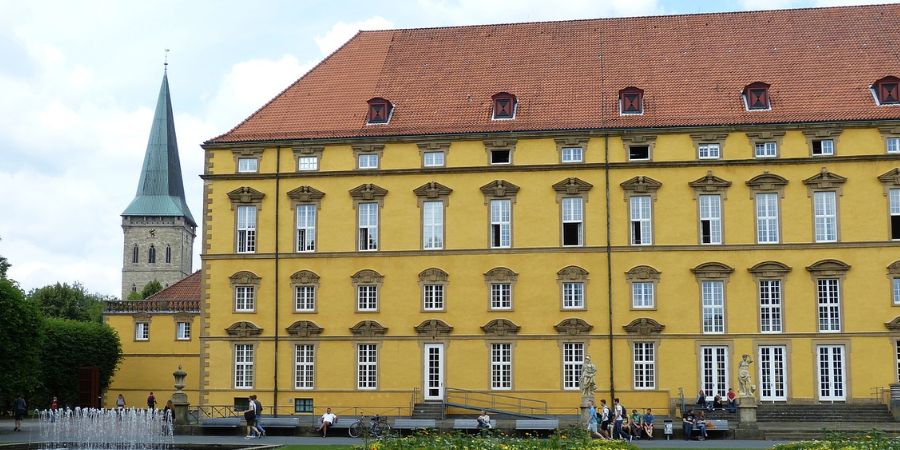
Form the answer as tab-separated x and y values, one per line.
244	298
367	297
643	295
367	161
897	353
248	165
644	368
367	366
828	304
895	284
641	216
572	209
501	223
771	298
246	229
711	213
773	373
649	154
183	331
433	225
892	144
768	149
573	295
142	331
894	210
767	220
306	227
573	362
243	366
713	306
367	232
825	216
714	370
433	297
501	296
304	366
307	163
831	367
709	151
826	147
433	159
305	298
496	151
571	155
501	366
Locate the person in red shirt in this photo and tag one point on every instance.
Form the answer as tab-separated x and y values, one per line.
732	400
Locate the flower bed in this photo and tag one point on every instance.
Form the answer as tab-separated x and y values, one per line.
872	440
570	439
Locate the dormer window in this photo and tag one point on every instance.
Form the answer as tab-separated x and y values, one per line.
504	106
380	111
887	91
631	101
756	97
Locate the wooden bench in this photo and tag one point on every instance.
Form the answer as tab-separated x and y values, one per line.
713	425
470	424
280	422
221	423
537	424
413	424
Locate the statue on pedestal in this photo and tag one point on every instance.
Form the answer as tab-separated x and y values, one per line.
587	382
745	383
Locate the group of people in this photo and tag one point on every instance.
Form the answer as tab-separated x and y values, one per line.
615	423
708	403
690	420
253	417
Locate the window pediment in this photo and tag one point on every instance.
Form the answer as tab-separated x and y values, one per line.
433	328
305	277
765	135
712	271
640	185
500	275
644	326
573	326
824	180
367	276
306	194
499	189
710	184
767	182
368	328
304	328
890	178
245	194
368	192
643	273
572	273
433	275
243	329
572	186
432	190
828	268
893	325
894	268
770	269
244	278
500	327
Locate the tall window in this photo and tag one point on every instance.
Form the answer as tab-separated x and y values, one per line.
306	227
829	301
141	331
710	219
713	298
767	218
244	298
246	229
895	282
501	296
501	366
894	200
642	295
898	359
243	366
708	151
714	370
573	221
573	361
770	306
305	367
433	297
644	365
168	254
501	223
641	223
151	254
183	331
366	366
433	225
573	295
766	149
305	298
773	372
825	215
134	254
368	226
367	297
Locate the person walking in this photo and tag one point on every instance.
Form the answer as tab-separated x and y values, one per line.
592	420
257	406
620	414
19	409
250	418
120	402
151	401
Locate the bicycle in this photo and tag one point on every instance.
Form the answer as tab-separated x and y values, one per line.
378	428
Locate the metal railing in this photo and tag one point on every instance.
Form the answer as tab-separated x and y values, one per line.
157	306
215	411
882	394
495	402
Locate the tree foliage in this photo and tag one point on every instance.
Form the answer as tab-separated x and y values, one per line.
20	343
4	266
151	288
69	345
69	302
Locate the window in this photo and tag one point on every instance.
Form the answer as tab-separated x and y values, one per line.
183	331
501	156
773	372
368	226
367	161
644	365
433	297
713	299
898	360
142	331
168	254
433	225
887	91
631	101
501	223
756	97
766	149
246	229
248	165
380	111
306	228
134	254
244	298
573	361
642	295
714	370
572	155
710	219
770	306
573	295
825	215
822	147
894	205
708	151
151	254
243	366
367	297
896	289
433	159
893	144
305	298
767	218
501	366
829	302
366	366
501	296
305	367
308	163
641	225
572	221
133	287
638	152
303	405
505	106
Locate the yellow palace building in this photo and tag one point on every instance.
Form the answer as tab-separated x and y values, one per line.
430	212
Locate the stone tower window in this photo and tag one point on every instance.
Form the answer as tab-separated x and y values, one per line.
168	254
151	255
134	254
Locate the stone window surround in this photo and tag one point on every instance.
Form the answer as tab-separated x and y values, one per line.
893	272
635	139
254	349
244	278
710	138
771	270
816	134
829	268
500	144
367	277
572	274
714	271
437	146
369	149
435	276
503	275
569	142
826	181
760	136
308	150
889	132
643	274
247	153
305	278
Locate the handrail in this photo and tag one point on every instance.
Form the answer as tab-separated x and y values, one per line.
133	306
496	402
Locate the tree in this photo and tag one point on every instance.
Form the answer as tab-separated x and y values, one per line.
69	302
4	267
151	288
20	343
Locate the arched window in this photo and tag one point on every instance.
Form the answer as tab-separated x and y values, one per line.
133	287
756	97
631	101
887	90
168	254
504	105
134	254
151	255
380	111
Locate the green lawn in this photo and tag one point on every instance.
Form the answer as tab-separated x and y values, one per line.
316	447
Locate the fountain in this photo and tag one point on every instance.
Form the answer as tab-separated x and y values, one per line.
105	429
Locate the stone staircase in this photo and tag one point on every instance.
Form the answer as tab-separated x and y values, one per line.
836	412
428	410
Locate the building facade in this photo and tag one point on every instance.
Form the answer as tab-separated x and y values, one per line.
489	205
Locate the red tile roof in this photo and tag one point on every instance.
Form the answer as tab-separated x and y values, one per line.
819	62
186	289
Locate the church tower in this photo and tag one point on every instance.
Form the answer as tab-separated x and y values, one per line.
158	226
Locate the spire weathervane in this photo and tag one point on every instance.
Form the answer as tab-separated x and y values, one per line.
166	61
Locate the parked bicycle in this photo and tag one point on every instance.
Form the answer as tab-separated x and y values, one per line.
377	428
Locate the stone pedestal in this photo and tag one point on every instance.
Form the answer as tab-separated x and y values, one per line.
747	427
179	399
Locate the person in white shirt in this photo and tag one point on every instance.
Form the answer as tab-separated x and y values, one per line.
484	421
328	419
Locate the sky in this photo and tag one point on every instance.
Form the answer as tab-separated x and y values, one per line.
79	82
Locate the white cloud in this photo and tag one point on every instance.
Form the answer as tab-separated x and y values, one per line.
470	12
341	32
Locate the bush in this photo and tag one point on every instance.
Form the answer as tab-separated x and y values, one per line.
872	440
570	439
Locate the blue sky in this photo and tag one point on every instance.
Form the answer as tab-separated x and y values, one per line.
80	79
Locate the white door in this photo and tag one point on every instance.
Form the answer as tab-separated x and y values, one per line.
772	373
434	371
714	370
830	360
